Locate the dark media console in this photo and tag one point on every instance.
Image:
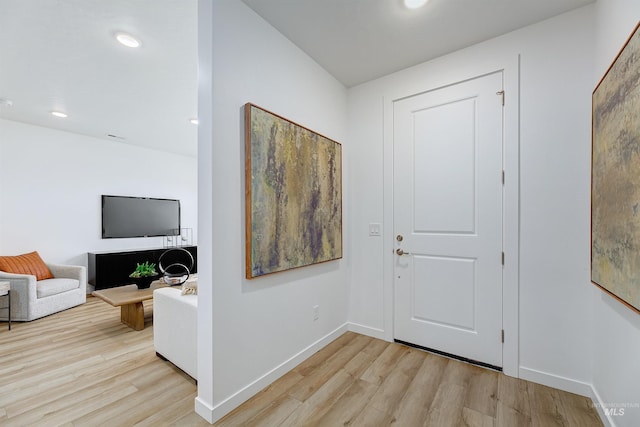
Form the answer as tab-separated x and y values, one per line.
111	269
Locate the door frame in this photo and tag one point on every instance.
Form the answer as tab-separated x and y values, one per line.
440	73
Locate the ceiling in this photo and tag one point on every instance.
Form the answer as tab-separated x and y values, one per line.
360	40
62	54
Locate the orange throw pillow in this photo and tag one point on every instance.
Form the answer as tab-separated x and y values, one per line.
30	263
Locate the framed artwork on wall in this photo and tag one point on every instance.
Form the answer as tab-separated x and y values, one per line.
293	194
615	177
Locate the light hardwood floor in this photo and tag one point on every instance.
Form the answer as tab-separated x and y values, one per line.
82	367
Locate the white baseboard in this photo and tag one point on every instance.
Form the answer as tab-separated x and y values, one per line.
213	414
556	381
204	410
366	330
599	404
567	384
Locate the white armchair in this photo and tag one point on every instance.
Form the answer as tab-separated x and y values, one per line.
32	299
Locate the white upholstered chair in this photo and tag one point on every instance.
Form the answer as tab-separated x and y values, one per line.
32	299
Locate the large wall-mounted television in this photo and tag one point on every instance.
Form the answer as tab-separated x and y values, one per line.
124	216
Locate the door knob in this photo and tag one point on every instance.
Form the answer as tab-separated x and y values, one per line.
400	252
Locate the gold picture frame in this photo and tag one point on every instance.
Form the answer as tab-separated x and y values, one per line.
293	194
615	177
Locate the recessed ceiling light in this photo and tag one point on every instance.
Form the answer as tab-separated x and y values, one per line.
414	4
59	114
193	121
128	40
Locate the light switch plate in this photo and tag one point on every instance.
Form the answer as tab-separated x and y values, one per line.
375	229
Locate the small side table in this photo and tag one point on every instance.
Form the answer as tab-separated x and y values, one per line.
5	290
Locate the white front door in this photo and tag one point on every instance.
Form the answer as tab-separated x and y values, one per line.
448	219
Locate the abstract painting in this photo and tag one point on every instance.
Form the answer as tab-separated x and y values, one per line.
293	195
615	177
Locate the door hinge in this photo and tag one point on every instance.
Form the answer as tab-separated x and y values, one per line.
503	335
501	93
502	258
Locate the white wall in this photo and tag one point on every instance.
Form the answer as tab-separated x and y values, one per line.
51	182
616	332
555	294
555	317
261	327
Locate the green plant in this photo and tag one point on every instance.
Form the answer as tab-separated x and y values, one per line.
144	270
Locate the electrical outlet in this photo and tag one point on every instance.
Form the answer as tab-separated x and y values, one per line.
316	312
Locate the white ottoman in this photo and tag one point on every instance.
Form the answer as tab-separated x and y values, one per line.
174	328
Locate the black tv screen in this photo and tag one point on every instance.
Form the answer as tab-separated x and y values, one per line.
124	216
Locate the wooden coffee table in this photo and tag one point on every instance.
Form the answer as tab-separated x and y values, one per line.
129	298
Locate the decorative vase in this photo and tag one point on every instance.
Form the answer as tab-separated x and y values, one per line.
144	282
